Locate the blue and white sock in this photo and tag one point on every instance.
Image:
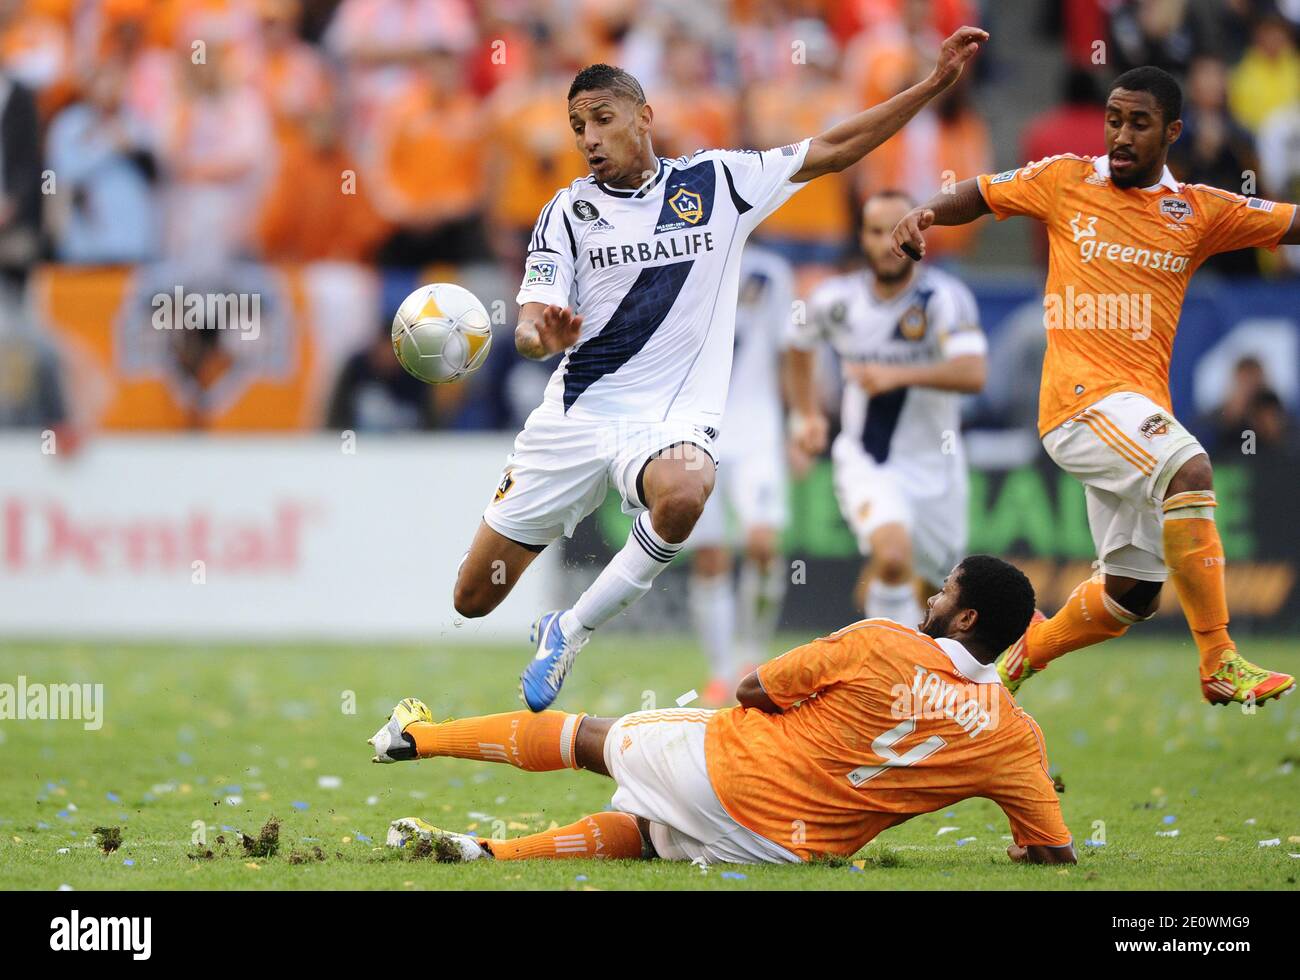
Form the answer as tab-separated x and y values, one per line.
626	578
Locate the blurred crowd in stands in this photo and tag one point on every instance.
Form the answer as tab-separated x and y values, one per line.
409	132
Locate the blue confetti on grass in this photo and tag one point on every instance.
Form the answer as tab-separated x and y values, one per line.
1094	843
64	815
1168	818
185	759
129	863
734	875
300	805
855	868
114	798
229	830
580	878
42	826
361	837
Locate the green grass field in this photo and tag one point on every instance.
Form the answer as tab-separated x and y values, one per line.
218	739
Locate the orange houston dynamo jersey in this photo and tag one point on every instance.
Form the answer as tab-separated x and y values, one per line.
880	723
1118	267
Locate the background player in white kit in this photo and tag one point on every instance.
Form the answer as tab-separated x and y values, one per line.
910	342
632	272
735	619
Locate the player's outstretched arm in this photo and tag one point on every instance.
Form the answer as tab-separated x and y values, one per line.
959	206
848	142
1042	854
545	330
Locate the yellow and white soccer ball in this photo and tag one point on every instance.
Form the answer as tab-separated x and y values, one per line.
441	333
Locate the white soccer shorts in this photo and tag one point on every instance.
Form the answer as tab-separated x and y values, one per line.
657	759
1124	449
752	487
872	494
561	468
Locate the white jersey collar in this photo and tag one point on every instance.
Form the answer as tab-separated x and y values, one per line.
1102	166
966	664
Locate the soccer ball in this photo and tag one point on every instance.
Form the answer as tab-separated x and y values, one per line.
441	333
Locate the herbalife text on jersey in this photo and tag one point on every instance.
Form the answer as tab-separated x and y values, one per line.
1072	309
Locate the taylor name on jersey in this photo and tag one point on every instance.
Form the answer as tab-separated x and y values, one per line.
654	273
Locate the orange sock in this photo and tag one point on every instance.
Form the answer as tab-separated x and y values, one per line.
536	742
601	835
1194	555
1088	616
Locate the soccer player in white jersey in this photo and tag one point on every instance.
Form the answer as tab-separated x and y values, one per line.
632	273
910	341
735	619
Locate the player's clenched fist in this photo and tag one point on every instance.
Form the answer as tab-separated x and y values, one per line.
546	330
908	237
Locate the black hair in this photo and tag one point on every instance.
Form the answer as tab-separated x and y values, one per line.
1000	594
894	192
608	77
1164	88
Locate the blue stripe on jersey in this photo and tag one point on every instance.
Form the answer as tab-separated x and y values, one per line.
740	203
642	309
538	242
883	412
688	198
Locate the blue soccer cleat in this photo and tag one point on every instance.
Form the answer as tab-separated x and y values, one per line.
540	683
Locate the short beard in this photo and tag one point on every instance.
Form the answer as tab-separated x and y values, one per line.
935	628
891	278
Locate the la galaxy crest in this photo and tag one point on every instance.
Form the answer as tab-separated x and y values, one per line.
912	324
687	205
504	487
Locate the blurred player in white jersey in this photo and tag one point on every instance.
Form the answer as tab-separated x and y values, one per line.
735	623
910	342
632	273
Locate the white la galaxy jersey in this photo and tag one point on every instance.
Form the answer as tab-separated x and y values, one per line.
654	273
752	420
913	430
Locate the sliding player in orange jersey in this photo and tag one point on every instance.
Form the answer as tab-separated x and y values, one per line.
832	743
1124	239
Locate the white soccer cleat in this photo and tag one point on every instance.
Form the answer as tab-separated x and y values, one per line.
445	846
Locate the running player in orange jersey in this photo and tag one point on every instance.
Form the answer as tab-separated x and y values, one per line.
832	743
1124	239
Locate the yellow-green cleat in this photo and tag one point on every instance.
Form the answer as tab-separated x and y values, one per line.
391	743
1238	681
1013	666
441	845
